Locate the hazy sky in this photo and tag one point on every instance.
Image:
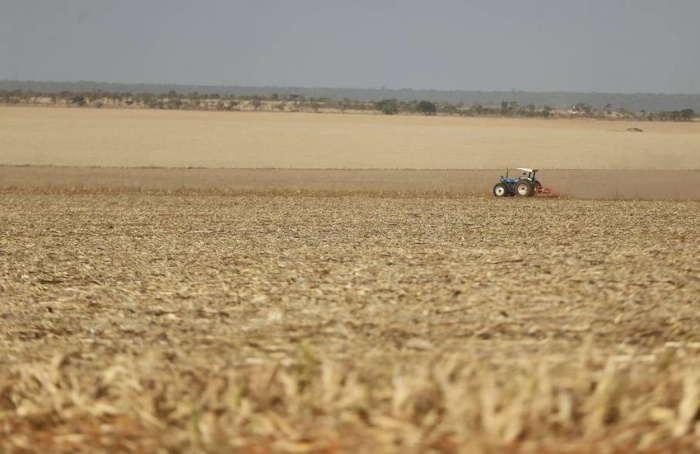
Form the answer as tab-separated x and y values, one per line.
532	45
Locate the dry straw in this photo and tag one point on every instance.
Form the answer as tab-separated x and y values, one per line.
136	322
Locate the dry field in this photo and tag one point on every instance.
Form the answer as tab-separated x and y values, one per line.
588	184
277	299
256	323
128	138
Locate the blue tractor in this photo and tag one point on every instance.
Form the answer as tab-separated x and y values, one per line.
525	185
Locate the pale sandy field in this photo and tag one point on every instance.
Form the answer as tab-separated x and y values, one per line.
141	138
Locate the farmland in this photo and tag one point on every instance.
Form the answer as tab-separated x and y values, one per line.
152	138
340	305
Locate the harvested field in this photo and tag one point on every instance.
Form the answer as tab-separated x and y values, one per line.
138	322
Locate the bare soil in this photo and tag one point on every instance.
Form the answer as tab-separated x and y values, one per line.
590	184
143	138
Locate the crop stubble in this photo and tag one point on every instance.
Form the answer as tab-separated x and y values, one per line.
363	324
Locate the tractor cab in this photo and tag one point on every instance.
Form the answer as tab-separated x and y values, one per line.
527	173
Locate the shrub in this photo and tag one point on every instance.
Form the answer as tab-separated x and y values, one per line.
426	107
387	106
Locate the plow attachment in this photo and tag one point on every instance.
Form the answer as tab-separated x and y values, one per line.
544	191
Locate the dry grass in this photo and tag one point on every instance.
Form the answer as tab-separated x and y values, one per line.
264	323
128	138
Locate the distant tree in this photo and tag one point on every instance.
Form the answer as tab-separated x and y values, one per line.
78	100
504	107
345	104
450	109
387	106
509	108
582	108
151	101
476	110
687	115
426	108
624	112
529	111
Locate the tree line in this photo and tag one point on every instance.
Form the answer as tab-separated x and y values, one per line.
559	100
291	102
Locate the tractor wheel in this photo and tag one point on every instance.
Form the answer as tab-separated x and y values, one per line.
500	190
538	188
524	188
